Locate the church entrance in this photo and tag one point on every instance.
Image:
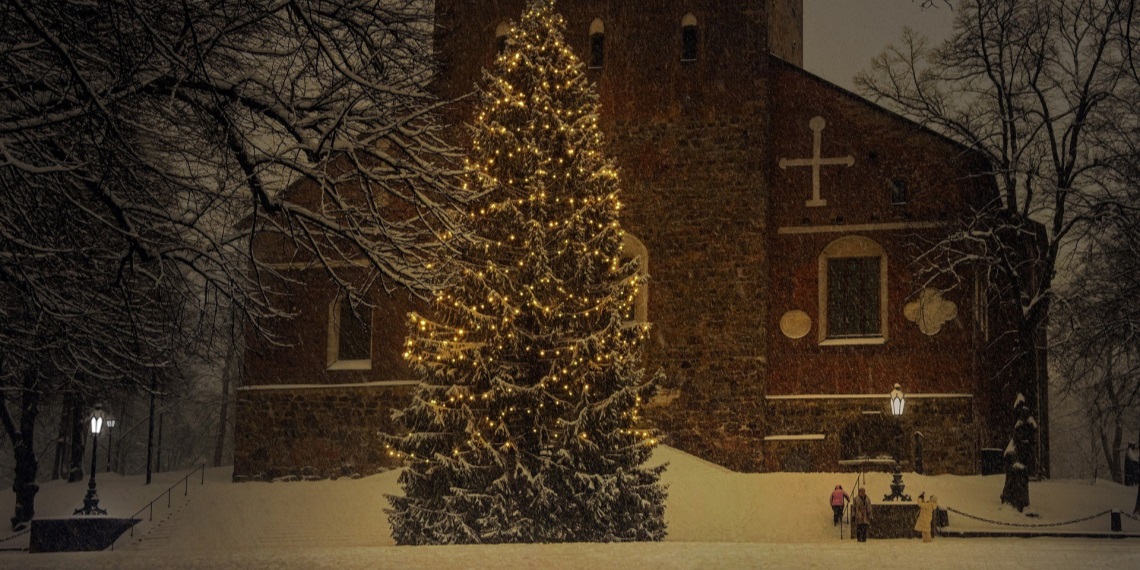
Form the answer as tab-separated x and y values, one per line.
872	438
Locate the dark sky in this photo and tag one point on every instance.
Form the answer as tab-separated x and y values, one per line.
841	36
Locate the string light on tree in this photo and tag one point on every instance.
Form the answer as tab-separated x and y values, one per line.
524	427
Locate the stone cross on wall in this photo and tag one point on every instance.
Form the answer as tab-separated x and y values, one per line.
816	124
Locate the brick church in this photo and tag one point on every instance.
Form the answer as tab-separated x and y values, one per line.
780	219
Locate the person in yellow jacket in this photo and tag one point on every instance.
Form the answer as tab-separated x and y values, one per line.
925	516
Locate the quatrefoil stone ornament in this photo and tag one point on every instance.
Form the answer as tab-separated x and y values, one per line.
930	311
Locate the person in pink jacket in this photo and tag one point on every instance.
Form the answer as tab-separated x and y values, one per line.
838	497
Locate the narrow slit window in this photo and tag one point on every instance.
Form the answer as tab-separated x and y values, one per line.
689	38
898	192
501	32
597	43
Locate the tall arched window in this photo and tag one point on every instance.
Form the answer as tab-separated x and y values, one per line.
853	292
501	32
597	43
632	248
350	335
689	38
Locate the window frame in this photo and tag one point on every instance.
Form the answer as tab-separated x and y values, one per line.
848	247
633	248
502	30
334	361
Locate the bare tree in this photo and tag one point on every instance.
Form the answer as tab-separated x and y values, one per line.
1098	341
1028	84
143	145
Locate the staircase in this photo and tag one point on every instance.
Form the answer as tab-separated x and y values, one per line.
157	534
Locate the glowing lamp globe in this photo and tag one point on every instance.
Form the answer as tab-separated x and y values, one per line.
97	418
897	401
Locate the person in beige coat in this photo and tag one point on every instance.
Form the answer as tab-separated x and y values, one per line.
925	516
861	514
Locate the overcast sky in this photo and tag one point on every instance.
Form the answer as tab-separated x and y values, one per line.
841	36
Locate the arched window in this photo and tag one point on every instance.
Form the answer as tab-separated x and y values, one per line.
350	335
501	32
597	43
853	292
632	248
689	38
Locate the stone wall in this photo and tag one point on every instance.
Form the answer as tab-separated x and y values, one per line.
948	427
314	432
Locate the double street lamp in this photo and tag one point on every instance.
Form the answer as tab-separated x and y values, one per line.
91	501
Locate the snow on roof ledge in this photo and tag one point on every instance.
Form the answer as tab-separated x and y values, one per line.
385	383
799	437
857	396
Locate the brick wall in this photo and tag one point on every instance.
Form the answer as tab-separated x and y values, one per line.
314	433
295	351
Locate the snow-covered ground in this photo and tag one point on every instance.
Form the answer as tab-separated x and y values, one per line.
717	519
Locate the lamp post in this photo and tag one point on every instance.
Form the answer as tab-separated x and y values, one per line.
898	401
91	501
110	424
897	486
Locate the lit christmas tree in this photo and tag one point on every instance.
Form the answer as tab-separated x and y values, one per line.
525	427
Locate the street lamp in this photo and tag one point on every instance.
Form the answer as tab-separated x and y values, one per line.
897	401
110	424
91	501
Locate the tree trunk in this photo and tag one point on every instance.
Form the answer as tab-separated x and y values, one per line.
1036	391
61	438
150	428
1111	450
78	440
1136	507
227	369
24	486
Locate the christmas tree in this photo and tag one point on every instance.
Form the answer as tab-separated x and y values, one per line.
525	426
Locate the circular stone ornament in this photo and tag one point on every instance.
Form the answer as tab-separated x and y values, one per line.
795	324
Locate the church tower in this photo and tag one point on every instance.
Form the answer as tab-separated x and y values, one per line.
683	87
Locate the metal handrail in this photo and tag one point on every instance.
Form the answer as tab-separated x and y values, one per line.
185	481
